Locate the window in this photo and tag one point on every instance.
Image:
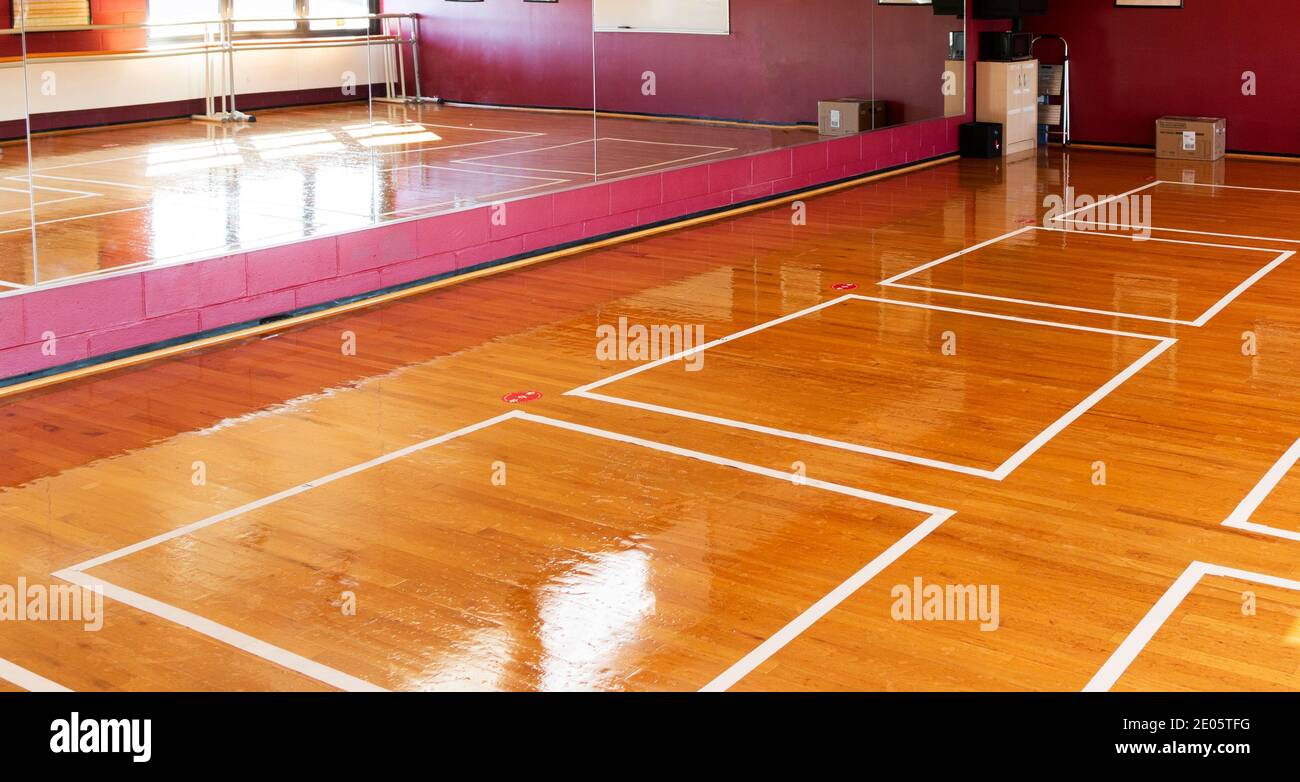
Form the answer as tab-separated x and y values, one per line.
294	14
170	12
52	13
317	8
265	9
663	16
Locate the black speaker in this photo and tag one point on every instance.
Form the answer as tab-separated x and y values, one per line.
1006	47
949	7
981	139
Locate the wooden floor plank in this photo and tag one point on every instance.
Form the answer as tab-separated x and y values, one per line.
1081	540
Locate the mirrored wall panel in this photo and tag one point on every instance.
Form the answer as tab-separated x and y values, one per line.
514	81
679	82
920	61
17	267
178	130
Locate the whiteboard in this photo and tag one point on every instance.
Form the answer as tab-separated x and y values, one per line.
663	16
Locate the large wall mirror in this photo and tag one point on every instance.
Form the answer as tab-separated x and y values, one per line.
684	81
17	265
920	60
679	82
164	131
516	78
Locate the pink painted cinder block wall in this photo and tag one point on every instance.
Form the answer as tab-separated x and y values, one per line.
62	325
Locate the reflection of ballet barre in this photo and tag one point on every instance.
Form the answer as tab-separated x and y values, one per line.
220	40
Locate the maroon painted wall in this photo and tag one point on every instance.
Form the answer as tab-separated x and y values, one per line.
782	57
778	61
1133	65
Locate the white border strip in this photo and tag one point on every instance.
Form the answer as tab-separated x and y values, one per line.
189	529
1141	635
1125	194
45	203
958	254
821	608
32	682
1064	217
1241	515
1201	320
219	632
30	192
76	574
511	135
78	217
1229	187
999	473
596	154
722	461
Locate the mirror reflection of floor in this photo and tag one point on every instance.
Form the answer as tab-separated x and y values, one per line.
132	195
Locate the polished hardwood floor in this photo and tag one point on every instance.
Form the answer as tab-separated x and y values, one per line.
284	513
130	195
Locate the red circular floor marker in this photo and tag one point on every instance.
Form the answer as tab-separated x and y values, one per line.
845	286
520	397
1029	221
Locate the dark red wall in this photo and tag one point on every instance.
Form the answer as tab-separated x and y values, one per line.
778	61
782	57
1133	65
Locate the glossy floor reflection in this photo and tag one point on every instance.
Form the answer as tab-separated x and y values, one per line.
125	196
526	556
945	385
460	586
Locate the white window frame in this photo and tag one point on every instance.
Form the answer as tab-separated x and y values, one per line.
302	9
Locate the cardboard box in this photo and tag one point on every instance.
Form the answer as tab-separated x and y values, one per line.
1191	138
846	116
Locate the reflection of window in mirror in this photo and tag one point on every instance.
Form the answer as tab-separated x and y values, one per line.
321	11
264	11
38	13
263	17
170	12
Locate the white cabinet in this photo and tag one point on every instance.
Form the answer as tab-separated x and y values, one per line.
1007	93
